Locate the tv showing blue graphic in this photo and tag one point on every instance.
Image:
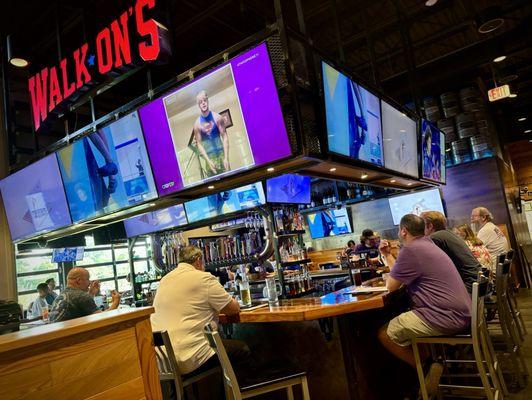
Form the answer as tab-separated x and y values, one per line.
107	170
415	203
353	116
431	152
67	254
154	221
327	223
225	202
289	188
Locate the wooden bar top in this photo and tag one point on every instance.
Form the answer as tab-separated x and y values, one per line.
58	330
307	309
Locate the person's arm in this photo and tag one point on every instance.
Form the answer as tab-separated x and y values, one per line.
116	300
232	308
225	140
199	143
386	250
218	298
94	288
392	284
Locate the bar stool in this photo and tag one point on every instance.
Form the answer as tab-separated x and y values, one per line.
169	370
514	306
485	359
527	268
235	390
509	341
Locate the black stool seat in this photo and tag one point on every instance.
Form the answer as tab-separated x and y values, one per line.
267	378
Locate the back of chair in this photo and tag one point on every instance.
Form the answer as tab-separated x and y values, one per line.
215	341
510	255
501	277
480	289
166	361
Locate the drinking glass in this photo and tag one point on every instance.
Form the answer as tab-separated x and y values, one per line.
45	314
271	288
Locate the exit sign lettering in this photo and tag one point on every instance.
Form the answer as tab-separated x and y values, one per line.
499	92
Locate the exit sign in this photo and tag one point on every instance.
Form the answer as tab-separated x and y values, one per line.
499	92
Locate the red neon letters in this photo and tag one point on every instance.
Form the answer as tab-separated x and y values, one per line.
112	49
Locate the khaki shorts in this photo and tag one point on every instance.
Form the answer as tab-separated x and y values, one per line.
408	325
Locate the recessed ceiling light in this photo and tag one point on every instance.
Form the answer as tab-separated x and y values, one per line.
364	176
271	169
332	169
19	62
512	95
530	140
392	181
210	187
409	184
430	3
528	131
152	204
499	59
402	130
521	119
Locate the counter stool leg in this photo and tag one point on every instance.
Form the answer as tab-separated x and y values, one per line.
482	372
228	392
289	393
419	368
304	388
493	367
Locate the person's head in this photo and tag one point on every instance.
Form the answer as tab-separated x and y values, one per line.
192	255
203	101
466	233
434	221
79	278
411	227
43	289
367	236
51	283
480	216
351	244
428	140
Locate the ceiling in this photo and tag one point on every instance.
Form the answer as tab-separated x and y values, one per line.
402	47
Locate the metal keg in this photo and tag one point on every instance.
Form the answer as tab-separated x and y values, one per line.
450	104
480	147
432	109
466	125
461	151
446	125
470	99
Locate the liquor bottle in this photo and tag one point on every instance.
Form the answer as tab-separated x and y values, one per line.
245	293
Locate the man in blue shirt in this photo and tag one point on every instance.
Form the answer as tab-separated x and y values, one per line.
211	137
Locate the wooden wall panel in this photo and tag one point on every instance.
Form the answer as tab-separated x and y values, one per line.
520	154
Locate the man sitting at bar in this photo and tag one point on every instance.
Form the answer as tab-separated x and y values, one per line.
441	304
465	262
50	297
77	300
186	300
36	307
492	237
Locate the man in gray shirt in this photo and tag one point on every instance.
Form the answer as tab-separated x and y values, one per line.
465	262
77	300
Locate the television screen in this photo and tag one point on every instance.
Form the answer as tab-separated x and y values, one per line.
430	151
399	141
225	202
353	117
107	170
289	188
67	254
443	156
156	221
219	124
415	203
34	199
327	223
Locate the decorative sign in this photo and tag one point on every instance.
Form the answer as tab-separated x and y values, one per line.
499	92
132	35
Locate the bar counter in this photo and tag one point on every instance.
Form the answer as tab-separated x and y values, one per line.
308	309
101	356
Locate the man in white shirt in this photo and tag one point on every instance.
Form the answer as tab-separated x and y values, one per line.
492	237
188	298
39	303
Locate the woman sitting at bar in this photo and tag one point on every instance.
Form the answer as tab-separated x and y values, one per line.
476	246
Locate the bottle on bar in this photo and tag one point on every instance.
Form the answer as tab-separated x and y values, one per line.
245	293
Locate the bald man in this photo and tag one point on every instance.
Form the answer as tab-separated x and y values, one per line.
77	300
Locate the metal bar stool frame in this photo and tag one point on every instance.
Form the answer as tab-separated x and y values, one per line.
169	369
484	355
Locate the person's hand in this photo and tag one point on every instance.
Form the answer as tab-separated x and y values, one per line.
116	299
226	164
212	166
385	248
94	288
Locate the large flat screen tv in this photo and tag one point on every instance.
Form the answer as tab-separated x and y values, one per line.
224	122
399	141
107	170
443	163
327	223
225	202
431	152
34	199
353	116
67	254
154	221
288	188
415	203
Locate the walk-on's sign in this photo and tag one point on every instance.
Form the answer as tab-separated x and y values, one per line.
130	37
